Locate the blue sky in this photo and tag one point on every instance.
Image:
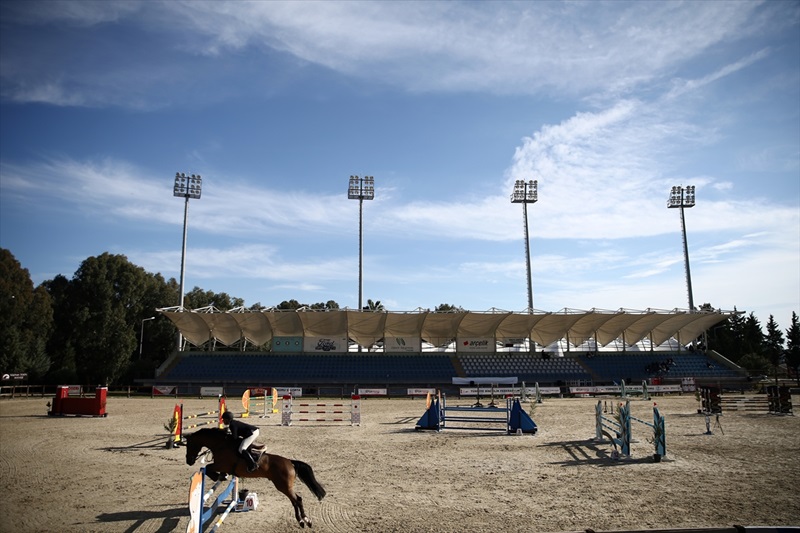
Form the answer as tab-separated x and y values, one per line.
606	104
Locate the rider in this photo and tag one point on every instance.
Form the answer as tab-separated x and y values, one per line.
245	434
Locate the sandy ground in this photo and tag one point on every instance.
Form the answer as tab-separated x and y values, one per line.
115	474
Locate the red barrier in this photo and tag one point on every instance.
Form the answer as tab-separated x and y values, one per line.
64	405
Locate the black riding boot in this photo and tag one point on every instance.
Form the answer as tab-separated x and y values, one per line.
251	463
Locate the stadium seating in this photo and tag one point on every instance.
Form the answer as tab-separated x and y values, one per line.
439	367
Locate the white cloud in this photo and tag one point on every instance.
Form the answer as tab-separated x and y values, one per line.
583	49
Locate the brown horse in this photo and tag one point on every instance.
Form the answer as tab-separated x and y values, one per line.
280	470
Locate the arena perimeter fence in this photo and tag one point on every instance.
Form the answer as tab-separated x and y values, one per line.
309	390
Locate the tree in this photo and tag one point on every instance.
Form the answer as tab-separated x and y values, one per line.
448	308
59	346
26	320
330	305
376	306
198	298
106	301
291	304
752	336
773	345
728	338
793	347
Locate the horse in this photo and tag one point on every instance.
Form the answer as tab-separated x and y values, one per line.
280	470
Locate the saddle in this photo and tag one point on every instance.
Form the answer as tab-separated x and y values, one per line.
257	450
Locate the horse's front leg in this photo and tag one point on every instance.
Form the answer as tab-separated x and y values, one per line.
214	474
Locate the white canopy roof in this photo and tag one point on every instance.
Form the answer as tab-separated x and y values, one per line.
367	327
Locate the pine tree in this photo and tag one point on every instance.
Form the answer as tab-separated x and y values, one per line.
773	345
793	347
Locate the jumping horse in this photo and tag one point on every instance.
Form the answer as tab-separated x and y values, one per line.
280	470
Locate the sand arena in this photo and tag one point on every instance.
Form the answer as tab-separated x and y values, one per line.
115	474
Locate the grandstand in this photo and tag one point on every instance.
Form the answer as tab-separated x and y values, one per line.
345	349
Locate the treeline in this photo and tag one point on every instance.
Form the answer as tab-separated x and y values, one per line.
88	329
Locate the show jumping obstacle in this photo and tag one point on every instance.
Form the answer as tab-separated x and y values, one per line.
268	406
178	426
780	400
202	511
310	412
621	428
93	406
512	419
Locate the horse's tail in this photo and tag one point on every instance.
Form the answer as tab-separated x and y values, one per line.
306	475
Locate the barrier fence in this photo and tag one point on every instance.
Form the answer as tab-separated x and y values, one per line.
178	425
321	412
63	404
511	419
269	406
620	426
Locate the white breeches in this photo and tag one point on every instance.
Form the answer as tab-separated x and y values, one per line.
248	441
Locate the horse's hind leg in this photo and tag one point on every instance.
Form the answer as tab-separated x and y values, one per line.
299	512
297	502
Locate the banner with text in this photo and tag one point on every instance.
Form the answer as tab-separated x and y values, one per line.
325	344
402	345
475	345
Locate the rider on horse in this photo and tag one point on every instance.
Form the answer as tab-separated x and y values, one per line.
245	435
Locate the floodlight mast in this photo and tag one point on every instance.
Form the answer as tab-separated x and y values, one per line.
185	187
361	189
526	192
683	197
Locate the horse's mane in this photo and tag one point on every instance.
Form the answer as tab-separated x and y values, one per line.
217	433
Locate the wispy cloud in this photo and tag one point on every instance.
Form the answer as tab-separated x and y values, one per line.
583	49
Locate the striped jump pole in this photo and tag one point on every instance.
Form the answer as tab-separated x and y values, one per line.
659	431
203	508
318	412
621	428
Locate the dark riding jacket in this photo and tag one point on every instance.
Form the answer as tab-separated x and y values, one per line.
241	430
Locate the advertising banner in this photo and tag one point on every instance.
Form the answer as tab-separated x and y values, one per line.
475	345
212	391
372	392
294	392
325	344
402	345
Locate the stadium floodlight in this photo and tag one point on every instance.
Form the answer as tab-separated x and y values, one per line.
683	197
185	187
141	335
361	189
526	192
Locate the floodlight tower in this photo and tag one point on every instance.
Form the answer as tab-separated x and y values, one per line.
186	187
361	189
526	192
683	197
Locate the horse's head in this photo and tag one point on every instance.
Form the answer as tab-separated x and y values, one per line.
193	447
212	438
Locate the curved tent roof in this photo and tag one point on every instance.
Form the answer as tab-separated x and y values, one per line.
367	327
